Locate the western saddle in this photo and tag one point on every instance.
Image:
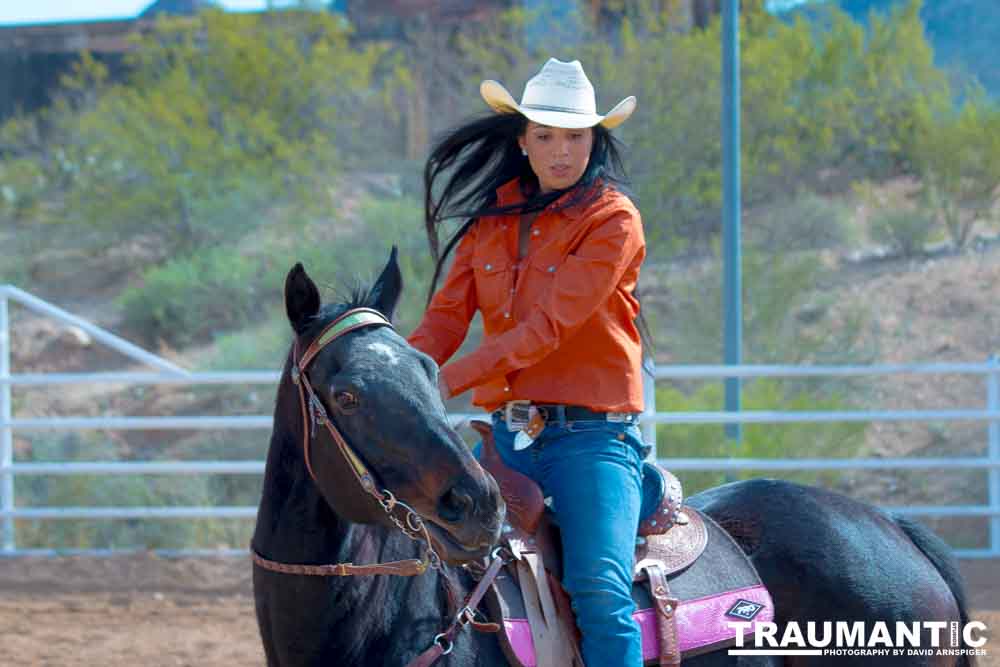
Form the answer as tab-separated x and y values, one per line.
670	538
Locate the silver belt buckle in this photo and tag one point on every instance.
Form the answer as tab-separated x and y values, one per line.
619	416
517	414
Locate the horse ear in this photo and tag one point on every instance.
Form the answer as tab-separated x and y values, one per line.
301	298
388	287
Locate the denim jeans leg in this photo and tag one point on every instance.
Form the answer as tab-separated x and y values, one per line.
594	478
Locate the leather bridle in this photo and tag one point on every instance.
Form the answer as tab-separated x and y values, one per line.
313	413
412	525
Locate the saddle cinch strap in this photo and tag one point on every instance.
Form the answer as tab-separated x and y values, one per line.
691	580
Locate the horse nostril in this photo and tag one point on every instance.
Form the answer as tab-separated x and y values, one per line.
455	505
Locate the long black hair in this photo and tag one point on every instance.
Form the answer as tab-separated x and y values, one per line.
468	164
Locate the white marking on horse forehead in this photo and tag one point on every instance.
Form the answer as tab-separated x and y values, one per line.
383	350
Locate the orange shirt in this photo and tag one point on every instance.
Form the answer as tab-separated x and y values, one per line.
558	326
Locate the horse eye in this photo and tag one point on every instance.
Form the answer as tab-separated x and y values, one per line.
346	401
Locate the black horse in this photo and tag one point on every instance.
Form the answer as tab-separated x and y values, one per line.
822	555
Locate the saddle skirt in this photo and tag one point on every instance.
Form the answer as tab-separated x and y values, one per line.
691	580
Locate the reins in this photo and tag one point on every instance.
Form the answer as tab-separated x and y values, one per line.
412	525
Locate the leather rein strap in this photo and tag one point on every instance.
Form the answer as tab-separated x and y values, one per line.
313	413
402	568
443	641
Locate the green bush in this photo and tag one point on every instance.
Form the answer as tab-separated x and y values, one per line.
807	222
22	186
187	299
351	258
112	491
958	157
125	491
784	314
905	231
258	347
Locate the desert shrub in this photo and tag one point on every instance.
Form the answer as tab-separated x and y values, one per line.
258	347
116	491
785	318
354	258
905	231
806	222
187	299
23	188
958	157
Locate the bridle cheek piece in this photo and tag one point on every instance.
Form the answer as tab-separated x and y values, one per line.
313	414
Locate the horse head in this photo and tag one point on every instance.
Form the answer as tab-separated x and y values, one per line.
380	394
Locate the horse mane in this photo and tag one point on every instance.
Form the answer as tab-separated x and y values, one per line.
359	296
354	295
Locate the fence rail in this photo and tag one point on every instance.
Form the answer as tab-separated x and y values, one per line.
171	374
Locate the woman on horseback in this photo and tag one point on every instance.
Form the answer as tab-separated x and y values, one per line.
550	257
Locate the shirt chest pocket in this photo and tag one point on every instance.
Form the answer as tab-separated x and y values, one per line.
494	283
543	267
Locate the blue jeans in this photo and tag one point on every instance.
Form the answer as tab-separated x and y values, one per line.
592	470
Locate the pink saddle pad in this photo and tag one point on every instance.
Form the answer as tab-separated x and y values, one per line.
702	623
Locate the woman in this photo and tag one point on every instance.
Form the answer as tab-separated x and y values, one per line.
550	256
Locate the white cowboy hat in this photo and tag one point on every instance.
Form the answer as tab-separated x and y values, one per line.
560	95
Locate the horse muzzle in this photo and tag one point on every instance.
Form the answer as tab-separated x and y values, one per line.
468	520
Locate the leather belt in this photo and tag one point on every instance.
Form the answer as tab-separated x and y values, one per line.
552	411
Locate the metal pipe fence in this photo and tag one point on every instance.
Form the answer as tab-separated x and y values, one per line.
172	375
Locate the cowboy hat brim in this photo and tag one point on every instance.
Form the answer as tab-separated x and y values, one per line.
500	100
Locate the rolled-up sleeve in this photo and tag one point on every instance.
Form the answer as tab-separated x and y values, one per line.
582	283
446	321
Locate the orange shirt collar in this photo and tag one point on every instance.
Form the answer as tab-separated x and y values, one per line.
509	194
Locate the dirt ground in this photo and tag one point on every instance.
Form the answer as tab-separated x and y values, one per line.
143	610
130	610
